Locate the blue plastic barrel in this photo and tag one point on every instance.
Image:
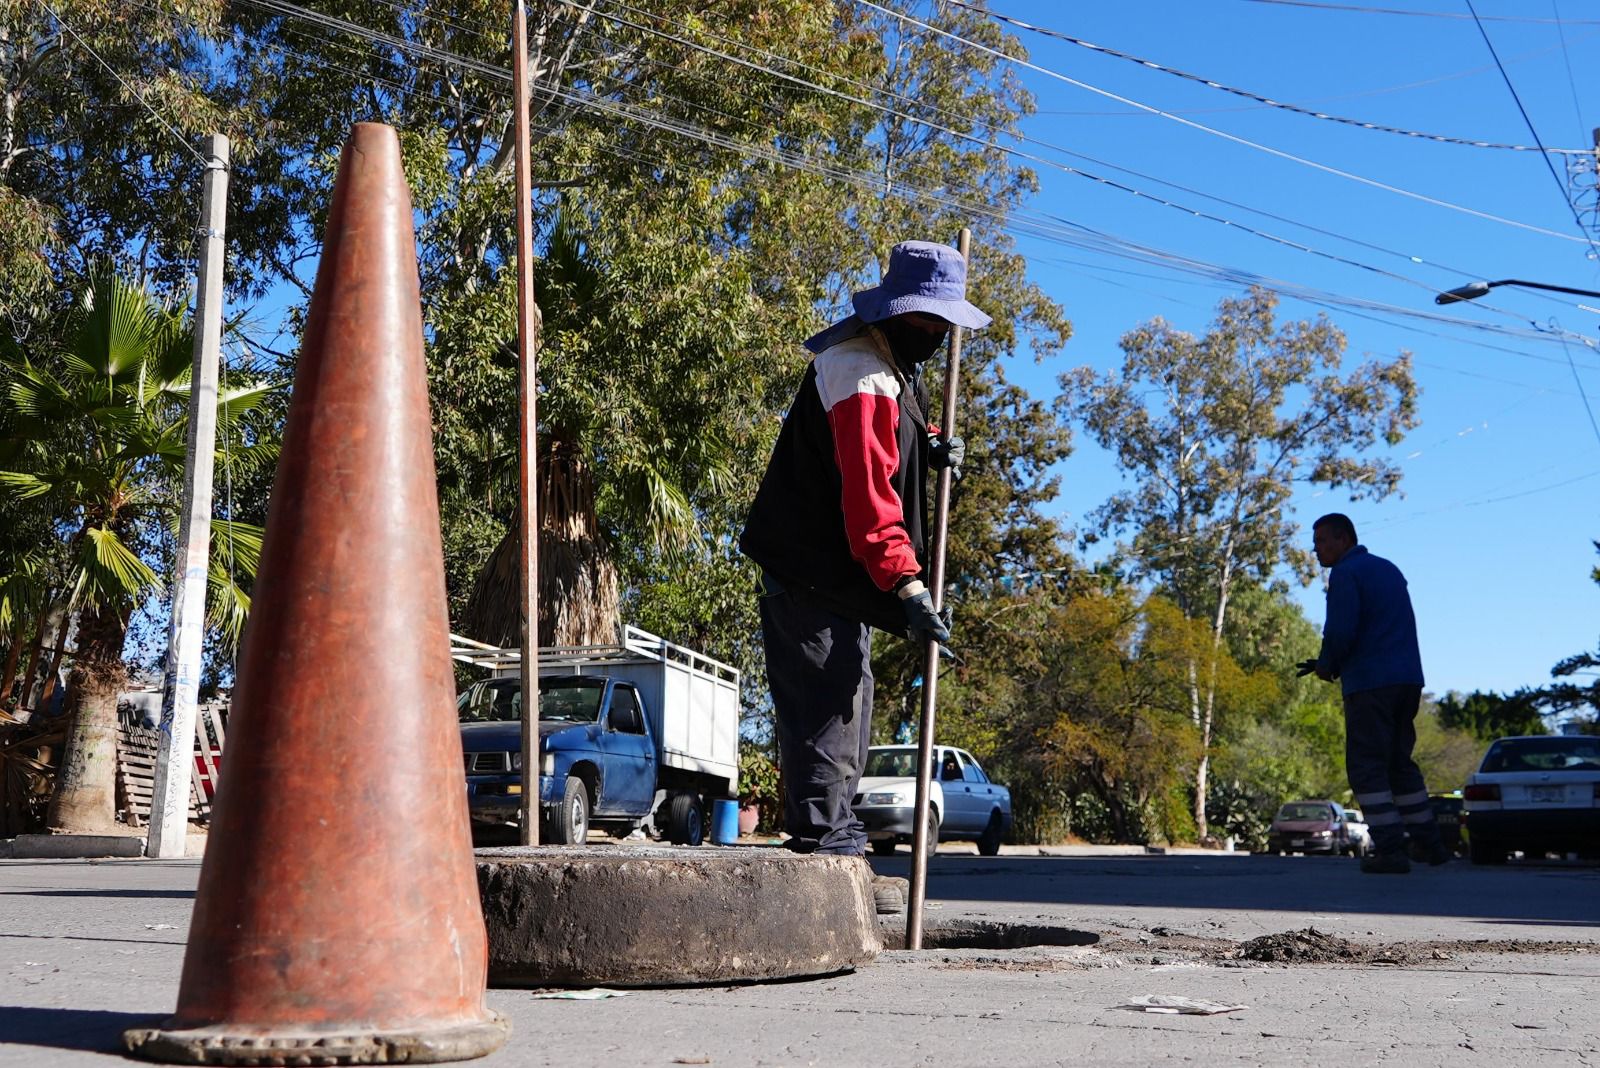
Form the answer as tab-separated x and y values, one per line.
724	822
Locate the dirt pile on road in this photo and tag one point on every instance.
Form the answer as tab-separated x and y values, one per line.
1309	946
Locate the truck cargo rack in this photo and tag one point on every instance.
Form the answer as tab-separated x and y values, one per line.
633	644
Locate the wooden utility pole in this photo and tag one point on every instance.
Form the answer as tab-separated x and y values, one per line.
169	802
527	422
921	846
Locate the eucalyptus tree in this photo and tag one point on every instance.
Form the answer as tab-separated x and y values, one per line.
1214	433
99	445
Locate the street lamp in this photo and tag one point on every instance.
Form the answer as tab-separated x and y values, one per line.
1474	290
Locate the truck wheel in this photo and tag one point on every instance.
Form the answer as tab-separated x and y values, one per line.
989	844
570	824
686	820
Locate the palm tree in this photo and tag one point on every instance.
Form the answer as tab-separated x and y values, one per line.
102	421
626	445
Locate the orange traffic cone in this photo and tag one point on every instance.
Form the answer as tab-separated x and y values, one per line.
337	920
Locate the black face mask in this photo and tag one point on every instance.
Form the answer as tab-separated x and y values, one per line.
910	344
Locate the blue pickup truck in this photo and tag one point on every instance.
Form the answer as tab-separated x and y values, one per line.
638	733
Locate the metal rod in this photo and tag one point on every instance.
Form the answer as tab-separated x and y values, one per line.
527	407
169	800
920	845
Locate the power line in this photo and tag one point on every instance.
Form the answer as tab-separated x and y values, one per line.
1020	223
1581	391
1358	9
1268	149
1257	97
1526	119
1566	58
1032	158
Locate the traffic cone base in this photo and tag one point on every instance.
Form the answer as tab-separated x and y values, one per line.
337	918
224	1045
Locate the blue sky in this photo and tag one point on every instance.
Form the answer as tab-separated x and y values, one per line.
1502	480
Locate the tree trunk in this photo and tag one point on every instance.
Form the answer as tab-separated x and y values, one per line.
85	794
24	697
53	674
578	597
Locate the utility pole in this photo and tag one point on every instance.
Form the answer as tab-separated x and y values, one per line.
169	801
527	424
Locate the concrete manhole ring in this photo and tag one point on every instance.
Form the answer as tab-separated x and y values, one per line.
602	915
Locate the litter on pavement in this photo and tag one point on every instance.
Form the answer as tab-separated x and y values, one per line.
598	993
1172	1003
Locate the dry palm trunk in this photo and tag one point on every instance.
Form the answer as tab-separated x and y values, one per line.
85	795
578	595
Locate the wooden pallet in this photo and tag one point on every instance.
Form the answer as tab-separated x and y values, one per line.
137	751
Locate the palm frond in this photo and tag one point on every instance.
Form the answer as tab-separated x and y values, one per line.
247	397
24	485
228	606
109	571
237	544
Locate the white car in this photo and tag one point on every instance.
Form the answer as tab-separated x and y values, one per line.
962	802
1536	794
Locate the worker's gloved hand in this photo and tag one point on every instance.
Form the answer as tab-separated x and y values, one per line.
923	622
946	452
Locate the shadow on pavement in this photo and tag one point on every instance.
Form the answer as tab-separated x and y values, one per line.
1281	884
80	1029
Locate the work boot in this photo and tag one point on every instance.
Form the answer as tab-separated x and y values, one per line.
1435	855
1386	864
889	894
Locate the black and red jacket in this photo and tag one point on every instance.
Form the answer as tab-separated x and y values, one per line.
840	514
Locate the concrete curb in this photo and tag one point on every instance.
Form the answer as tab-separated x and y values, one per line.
71	846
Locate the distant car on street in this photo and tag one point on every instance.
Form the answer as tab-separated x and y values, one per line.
1447	812
1360	833
963	803
1316	827
1535	794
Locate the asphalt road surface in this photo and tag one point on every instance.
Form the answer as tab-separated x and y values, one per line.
1030	959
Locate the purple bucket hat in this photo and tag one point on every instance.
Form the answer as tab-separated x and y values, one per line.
922	277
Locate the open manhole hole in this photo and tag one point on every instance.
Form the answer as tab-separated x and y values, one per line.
986	934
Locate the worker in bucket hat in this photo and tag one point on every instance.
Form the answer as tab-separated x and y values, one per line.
838	527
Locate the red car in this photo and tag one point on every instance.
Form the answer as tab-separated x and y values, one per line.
1315	827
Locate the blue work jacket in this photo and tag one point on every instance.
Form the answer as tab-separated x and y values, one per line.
1370	636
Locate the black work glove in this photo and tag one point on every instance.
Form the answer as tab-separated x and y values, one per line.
923	622
946	452
1305	667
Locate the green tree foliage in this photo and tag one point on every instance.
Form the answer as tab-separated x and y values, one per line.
97	452
1577	685
1215	431
87	171
1488	715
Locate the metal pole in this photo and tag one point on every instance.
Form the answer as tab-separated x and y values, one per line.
169	800
527	407
920	845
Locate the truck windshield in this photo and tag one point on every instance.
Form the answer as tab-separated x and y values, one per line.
571	700
898	763
567	700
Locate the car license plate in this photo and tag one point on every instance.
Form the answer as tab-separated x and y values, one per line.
1297	841
1545	793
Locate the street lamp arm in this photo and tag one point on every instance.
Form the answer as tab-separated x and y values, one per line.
1474	290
